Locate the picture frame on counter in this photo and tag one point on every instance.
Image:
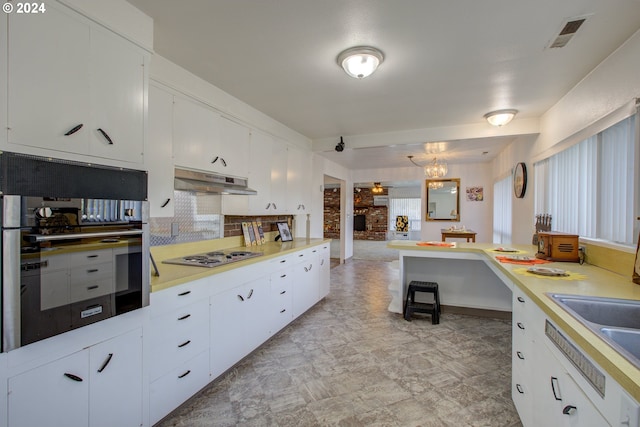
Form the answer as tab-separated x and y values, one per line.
285	233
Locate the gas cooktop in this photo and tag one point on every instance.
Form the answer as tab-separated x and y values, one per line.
213	259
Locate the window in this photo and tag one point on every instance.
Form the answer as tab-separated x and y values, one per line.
589	188
405	201
502	198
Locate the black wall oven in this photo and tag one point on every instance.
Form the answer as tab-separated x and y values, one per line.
75	246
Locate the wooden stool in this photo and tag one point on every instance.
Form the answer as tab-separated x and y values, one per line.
411	306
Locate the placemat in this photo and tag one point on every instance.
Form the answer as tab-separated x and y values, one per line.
571	275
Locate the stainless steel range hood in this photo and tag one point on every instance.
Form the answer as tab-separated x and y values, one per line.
206	182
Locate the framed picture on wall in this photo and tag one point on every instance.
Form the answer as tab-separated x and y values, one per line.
285	233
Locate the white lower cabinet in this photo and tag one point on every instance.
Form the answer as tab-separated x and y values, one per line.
559	400
282	299
324	254
548	389
171	390
99	386
306	281
239	323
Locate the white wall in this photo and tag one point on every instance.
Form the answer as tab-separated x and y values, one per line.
477	216
612	84
322	167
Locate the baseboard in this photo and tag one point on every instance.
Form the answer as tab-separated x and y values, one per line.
478	312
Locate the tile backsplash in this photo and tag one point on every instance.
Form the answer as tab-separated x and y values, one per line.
196	217
199	217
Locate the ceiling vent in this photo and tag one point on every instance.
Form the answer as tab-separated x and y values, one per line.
568	31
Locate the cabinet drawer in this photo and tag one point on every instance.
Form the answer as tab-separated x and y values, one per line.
178	296
522	396
91	288
91	257
175	350
171	390
283	261
178	336
88	273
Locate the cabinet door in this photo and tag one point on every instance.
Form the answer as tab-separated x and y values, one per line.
227	330
55	394
325	270
305	284
48	87
196	135
298	181
117	98
260	164
115	378
558	400
278	178
238	323
234	149
159	153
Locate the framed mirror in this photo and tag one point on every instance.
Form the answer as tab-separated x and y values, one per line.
443	199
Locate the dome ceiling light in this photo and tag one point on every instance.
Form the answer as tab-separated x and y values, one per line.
500	117
360	62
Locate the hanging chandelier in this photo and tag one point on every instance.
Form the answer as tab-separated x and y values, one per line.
434	169
436	185
377	188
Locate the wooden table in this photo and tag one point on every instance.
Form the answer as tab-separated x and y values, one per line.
470	235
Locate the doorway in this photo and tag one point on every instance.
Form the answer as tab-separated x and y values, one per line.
334	221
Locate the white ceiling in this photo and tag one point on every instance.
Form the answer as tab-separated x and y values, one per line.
447	63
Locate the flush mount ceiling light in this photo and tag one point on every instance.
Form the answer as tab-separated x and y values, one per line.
500	117
435	169
360	62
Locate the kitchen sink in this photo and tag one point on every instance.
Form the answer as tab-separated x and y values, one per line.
625	338
620	313
616	321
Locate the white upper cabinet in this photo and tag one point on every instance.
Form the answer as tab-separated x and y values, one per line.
298	181
3	83
159	153
117	98
48	88
196	135
67	79
267	172
234	149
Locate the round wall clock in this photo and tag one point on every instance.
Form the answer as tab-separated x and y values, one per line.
520	180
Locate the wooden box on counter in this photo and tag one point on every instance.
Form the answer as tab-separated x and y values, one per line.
555	246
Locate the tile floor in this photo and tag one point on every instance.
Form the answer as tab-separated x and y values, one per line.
350	362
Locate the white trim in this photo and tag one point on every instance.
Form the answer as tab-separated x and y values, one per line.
627	110
609	245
